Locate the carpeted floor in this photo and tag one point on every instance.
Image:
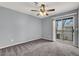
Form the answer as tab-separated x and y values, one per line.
40	48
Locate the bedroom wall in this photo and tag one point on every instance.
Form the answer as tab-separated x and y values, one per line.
16	27
47	28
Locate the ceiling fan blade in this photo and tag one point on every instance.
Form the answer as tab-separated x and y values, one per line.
35	10
51	10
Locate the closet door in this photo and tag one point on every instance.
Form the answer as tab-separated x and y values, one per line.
75	28
78	27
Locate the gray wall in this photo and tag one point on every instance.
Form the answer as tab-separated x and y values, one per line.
47	28
16	27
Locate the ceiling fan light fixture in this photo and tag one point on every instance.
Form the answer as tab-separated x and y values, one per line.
42	13
42	8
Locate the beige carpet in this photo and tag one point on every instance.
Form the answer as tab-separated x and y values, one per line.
40	48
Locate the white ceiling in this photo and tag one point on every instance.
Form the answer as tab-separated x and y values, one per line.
25	7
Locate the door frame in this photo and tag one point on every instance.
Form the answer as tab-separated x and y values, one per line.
62	21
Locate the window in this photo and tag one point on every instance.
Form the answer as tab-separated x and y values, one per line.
68	22
59	25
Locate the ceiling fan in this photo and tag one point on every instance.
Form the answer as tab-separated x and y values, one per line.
42	11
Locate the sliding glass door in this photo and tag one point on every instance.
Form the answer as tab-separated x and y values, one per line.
64	29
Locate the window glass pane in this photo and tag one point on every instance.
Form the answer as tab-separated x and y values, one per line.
68	22
59	25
